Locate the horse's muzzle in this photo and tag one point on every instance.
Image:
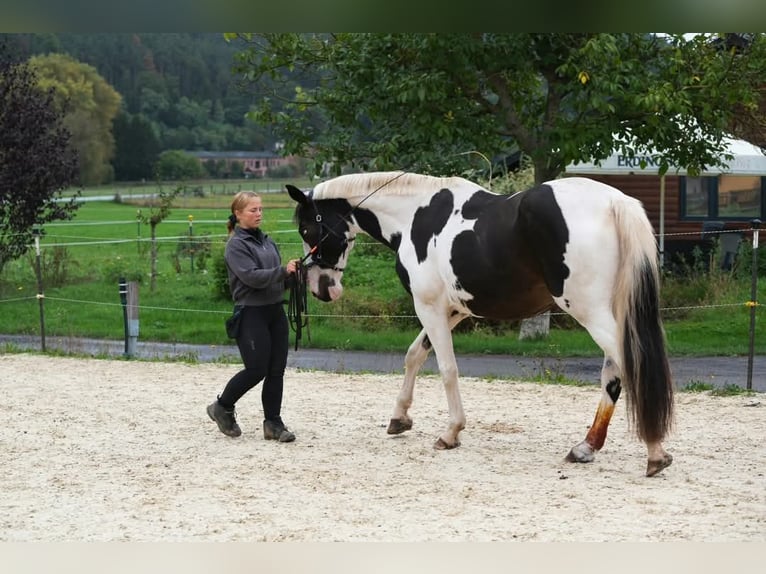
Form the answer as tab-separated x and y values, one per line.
327	289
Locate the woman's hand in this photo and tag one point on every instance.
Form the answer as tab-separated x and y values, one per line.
292	265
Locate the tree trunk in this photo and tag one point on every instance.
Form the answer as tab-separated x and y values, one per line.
537	327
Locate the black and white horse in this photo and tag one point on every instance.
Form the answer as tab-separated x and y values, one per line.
463	251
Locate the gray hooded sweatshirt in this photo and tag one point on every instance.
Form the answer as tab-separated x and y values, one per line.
256	274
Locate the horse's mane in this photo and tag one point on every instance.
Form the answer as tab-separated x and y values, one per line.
385	183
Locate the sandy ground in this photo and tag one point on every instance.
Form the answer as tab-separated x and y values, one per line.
114	450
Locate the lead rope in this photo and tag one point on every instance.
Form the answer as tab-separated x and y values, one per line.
297	304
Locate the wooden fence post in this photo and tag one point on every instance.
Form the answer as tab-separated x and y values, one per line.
753	303
132	315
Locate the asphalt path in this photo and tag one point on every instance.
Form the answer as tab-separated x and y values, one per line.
717	371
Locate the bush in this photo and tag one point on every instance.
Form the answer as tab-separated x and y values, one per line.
56	266
119	267
195	248
744	265
220	275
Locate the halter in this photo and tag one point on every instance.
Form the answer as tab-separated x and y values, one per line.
315	253
298	301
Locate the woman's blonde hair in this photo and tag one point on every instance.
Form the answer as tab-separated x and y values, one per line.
240	200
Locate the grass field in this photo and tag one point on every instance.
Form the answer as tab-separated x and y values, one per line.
83	259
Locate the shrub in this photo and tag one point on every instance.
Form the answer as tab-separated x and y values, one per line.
220	275
56	266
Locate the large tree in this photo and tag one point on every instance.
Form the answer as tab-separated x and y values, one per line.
90	105
748	121
136	148
423	102
36	160
420	101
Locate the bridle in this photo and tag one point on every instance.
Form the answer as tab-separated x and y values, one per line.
315	253
298	301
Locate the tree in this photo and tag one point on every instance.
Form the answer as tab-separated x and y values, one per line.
157	213
36	160
136	148
177	164
90	105
420	101
153	71
748	121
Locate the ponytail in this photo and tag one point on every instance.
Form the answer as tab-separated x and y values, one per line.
230	223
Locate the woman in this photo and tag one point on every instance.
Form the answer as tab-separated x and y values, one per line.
257	284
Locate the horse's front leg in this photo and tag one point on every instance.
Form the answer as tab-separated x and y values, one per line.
413	361
439	326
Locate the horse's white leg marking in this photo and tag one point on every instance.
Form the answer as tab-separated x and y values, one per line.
438	326
413	361
416	356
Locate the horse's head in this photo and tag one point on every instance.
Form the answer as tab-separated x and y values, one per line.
327	241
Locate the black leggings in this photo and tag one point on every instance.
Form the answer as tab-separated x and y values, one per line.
263	342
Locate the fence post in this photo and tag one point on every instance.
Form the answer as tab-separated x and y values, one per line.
191	241
132	318
138	233
129	300
124	302
756	223
40	295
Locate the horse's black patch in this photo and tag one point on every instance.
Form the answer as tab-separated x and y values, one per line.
494	263
613	389
368	221
404	277
512	261
429	221
395	241
477	204
543	224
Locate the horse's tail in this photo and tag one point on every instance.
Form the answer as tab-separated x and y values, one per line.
646	374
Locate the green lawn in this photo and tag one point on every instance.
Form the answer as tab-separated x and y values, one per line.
83	260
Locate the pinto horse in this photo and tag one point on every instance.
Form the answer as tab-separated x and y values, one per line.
464	251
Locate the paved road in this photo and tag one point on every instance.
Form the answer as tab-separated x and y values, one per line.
718	371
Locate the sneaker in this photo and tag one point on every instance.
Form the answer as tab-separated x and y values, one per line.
276	430
224	418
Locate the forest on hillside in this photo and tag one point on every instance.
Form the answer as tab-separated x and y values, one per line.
178	91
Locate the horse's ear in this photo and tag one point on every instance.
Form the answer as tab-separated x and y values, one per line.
296	194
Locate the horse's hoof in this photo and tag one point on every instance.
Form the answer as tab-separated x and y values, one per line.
442	445
582	452
655	466
398	426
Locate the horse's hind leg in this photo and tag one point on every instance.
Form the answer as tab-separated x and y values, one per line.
585	451
610	392
657	458
602	326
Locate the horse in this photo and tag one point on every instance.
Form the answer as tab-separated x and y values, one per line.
465	251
